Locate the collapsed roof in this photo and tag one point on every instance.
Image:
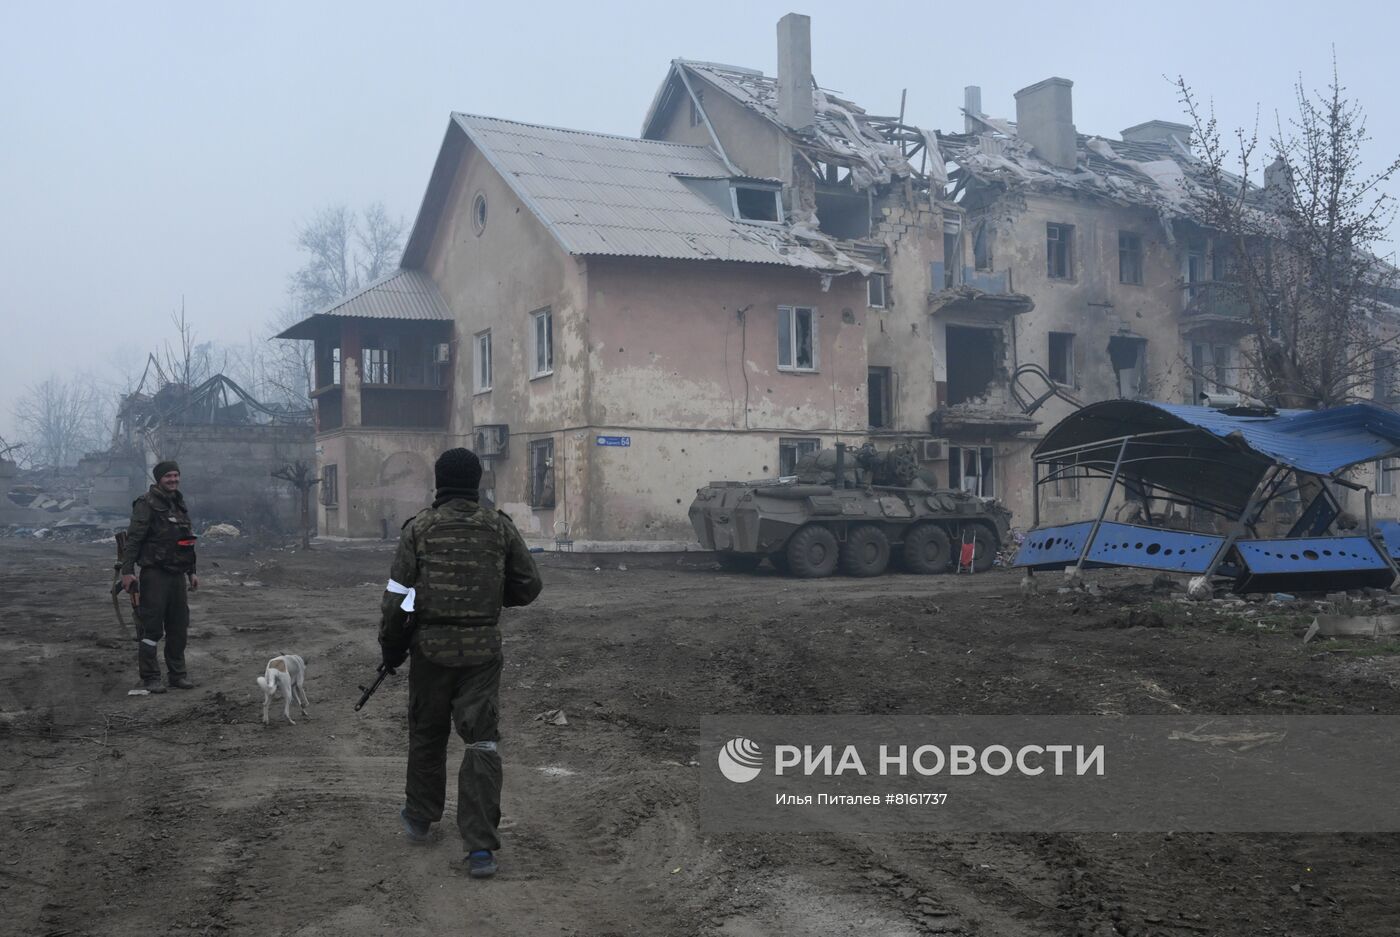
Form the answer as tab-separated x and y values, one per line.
1219	456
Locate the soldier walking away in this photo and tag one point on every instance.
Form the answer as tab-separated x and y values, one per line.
161	541
458	563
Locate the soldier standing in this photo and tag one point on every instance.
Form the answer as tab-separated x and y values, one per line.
458	563
161	540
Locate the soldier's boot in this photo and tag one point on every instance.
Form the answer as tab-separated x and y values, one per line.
180	682
481	863
149	666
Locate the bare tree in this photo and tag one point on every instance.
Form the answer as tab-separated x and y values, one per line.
303	479
345	252
381	243
1302	250
59	421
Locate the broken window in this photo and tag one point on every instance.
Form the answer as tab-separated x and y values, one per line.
327	365
1210	369
797	338
1128	355
1194	269
1383	376
542	343
1385	476
952	253
982	247
378	365
697	102
842	212
481	361
542	473
791	451
972	469
330	485
972	356
1129	258
1059	251
875	290
878	397
1062	481
752	203
1061	367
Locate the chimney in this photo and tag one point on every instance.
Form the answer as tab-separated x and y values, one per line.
1158	131
972	108
795	71
1045	120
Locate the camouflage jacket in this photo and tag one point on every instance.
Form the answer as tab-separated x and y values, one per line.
464	563
160	533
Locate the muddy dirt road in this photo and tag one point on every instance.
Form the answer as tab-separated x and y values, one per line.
183	814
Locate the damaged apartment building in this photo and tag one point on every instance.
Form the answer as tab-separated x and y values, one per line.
612	322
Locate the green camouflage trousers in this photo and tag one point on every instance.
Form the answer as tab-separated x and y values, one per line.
467	698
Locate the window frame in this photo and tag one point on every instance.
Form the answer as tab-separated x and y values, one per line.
330	485
1064	487
547	316
537	477
1064	236
1385	477
481	362
1068	358
800	446
1130	248
870	298
775	191
986	469
886	375
788	336
375	362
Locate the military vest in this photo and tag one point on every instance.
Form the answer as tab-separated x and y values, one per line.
461	554
170	537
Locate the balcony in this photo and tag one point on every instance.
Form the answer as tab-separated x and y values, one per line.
1214	303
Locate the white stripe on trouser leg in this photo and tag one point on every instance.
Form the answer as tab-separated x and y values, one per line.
150	642
483	746
407	592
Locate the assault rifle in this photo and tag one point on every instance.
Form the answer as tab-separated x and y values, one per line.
117	585
383	670
368	691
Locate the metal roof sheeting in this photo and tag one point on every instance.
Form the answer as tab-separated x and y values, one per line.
1217	455
603	194
402	295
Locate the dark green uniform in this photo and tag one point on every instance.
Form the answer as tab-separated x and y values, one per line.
161	541
465	562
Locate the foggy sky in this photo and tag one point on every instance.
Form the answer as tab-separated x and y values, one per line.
154	151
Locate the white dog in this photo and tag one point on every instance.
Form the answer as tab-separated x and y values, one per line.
288	675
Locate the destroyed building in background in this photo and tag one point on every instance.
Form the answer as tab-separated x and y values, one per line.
227	443
611	322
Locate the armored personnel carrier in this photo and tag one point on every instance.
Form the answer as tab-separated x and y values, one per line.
858	510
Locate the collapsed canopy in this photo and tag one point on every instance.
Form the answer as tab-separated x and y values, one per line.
1218	456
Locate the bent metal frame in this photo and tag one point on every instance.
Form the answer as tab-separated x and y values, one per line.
1232	464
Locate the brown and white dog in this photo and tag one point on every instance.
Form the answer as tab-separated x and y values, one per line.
286	674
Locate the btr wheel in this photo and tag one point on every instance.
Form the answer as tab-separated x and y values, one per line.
927	550
812	552
866	553
738	562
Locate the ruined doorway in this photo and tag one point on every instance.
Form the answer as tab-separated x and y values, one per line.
972	362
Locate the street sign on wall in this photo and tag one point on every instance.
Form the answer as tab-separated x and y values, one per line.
622	441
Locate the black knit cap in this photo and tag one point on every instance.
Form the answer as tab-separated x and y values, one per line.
457	468
168	465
